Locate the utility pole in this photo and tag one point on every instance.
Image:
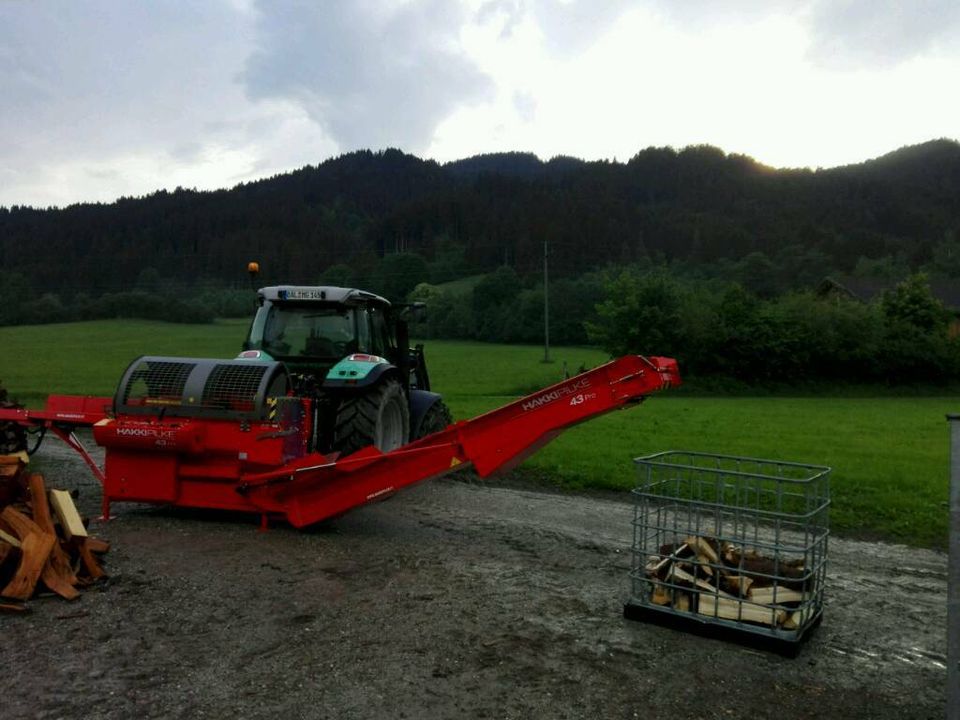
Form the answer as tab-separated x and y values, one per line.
546	305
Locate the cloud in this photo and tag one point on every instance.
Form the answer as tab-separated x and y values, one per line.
372	74
102	99
571	26
567	27
526	106
842	34
868	33
101	75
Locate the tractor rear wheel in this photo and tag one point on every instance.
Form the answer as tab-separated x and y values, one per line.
435	419
379	417
13	439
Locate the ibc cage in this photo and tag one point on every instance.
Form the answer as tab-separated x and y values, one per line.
730	543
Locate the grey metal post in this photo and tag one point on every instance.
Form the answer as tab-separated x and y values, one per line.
546	306
953	576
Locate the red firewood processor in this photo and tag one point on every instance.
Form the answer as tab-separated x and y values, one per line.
326	408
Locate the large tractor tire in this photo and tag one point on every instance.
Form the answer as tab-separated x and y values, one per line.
437	418
380	417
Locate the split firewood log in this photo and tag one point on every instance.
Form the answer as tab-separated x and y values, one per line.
87	560
98	545
679	576
733	609
705	550
797	618
657	565
660	595
13	606
775	596
737	584
58	574
70	519
762	569
682	601
35	547
9	539
11	488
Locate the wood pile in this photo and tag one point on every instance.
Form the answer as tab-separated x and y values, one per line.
44	544
703	577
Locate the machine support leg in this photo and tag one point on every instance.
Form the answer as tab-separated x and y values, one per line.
73	441
264	523
953	576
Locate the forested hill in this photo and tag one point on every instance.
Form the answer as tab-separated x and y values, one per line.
693	207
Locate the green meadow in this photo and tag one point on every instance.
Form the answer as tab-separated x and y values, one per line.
889	453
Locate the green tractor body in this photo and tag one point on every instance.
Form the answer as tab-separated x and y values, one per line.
349	351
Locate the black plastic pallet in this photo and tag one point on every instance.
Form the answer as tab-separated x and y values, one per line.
706	627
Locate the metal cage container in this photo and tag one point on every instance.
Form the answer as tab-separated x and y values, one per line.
729	543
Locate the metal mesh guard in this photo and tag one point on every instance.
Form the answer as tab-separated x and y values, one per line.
233	386
157	382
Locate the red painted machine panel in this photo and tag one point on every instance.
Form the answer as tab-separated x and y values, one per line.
262	466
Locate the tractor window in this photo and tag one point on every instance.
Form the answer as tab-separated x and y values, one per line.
363	331
380	337
309	331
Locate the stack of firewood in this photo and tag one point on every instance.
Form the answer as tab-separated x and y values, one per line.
44	544
723	581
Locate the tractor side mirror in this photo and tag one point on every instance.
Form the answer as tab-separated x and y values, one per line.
415	311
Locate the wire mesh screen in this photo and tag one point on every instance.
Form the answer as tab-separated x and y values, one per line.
233	386
730	540
156	382
200	387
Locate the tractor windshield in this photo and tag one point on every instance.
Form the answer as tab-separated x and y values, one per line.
304	331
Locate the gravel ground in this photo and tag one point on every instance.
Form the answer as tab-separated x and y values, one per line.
452	599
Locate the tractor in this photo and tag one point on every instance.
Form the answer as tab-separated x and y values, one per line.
348	351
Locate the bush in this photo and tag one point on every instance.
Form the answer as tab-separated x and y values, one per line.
397	275
447	315
791	339
339	275
227	303
641	313
916	346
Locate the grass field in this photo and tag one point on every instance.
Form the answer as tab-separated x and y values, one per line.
889	454
462	286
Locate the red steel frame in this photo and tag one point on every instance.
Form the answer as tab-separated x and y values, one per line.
234	465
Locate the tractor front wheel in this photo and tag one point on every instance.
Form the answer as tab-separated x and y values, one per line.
435	419
379	417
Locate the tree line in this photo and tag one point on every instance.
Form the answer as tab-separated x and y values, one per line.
712	258
716	329
697	206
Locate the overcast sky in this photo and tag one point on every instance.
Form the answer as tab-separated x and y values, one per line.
100	99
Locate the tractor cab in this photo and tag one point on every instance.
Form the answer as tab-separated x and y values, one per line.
311	329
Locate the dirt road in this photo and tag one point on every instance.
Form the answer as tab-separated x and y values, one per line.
453	599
